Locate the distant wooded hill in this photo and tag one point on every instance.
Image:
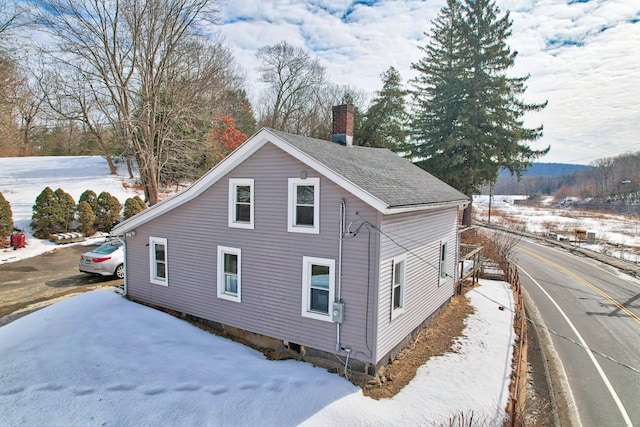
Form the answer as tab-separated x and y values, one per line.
541	178
550	169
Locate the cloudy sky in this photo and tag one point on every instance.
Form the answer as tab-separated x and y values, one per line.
583	56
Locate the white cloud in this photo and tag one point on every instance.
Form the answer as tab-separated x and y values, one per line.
584	57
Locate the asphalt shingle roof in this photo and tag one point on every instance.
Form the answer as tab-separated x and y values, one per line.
380	172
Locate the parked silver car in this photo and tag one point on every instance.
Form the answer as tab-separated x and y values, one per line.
106	260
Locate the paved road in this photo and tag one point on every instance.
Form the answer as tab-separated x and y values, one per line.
593	312
32	283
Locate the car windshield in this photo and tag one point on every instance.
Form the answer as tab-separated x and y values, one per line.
107	248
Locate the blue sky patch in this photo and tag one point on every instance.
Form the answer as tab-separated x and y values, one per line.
354	5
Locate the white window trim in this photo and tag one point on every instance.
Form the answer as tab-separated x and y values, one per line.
233	184
307	262
395	312
291	211
443	272
153	278
222	250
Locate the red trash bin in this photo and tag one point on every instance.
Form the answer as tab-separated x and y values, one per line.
17	241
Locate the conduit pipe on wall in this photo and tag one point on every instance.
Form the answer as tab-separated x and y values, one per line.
338	297
124	250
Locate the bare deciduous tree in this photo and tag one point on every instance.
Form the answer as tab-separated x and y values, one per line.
136	57
295	84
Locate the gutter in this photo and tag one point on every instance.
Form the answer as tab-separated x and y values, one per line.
124	249
416	208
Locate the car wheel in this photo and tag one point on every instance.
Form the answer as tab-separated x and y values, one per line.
119	273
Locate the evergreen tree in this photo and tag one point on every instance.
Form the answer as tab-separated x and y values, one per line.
90	197
468	121
6	218
67	209
46	214
385	123
132	206
87	218
108	212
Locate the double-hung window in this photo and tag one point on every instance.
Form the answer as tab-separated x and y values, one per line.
318	287
398	284
304	205
158	269
241	203
229	276
443	262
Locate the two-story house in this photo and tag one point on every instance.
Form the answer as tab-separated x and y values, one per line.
322	246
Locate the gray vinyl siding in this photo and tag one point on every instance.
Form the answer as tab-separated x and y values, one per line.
418	235
271	258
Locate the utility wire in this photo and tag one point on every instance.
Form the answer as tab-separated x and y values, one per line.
571	340
401	245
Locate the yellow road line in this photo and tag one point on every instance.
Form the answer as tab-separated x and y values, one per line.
589	284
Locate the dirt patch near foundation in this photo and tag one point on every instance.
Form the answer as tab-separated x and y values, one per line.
436	339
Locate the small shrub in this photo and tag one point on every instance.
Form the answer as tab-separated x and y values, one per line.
87	218
6	218
132	206
90	197
108	212
67	209
46	214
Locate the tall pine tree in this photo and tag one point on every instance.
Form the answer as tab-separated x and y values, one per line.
385	123
468	121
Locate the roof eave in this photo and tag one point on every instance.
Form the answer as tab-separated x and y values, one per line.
426	207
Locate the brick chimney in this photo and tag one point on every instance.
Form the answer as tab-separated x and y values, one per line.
343	116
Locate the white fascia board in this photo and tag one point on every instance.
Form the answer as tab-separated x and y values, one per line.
404	209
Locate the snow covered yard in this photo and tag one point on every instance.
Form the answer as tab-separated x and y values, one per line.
22	179
99	359
616	235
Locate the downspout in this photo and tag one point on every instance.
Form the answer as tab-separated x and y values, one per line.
124	249
339	284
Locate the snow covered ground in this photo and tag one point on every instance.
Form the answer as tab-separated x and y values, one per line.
616	235
100	359
22	179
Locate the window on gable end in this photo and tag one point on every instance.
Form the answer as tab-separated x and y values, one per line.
241	203
158	266
318	287
398	284
303	214
229	274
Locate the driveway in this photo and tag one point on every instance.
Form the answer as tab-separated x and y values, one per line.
36	282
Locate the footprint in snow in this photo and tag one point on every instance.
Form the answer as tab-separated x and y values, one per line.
153	391
217	390
120	387
10	391
48	387
82	391
187	387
